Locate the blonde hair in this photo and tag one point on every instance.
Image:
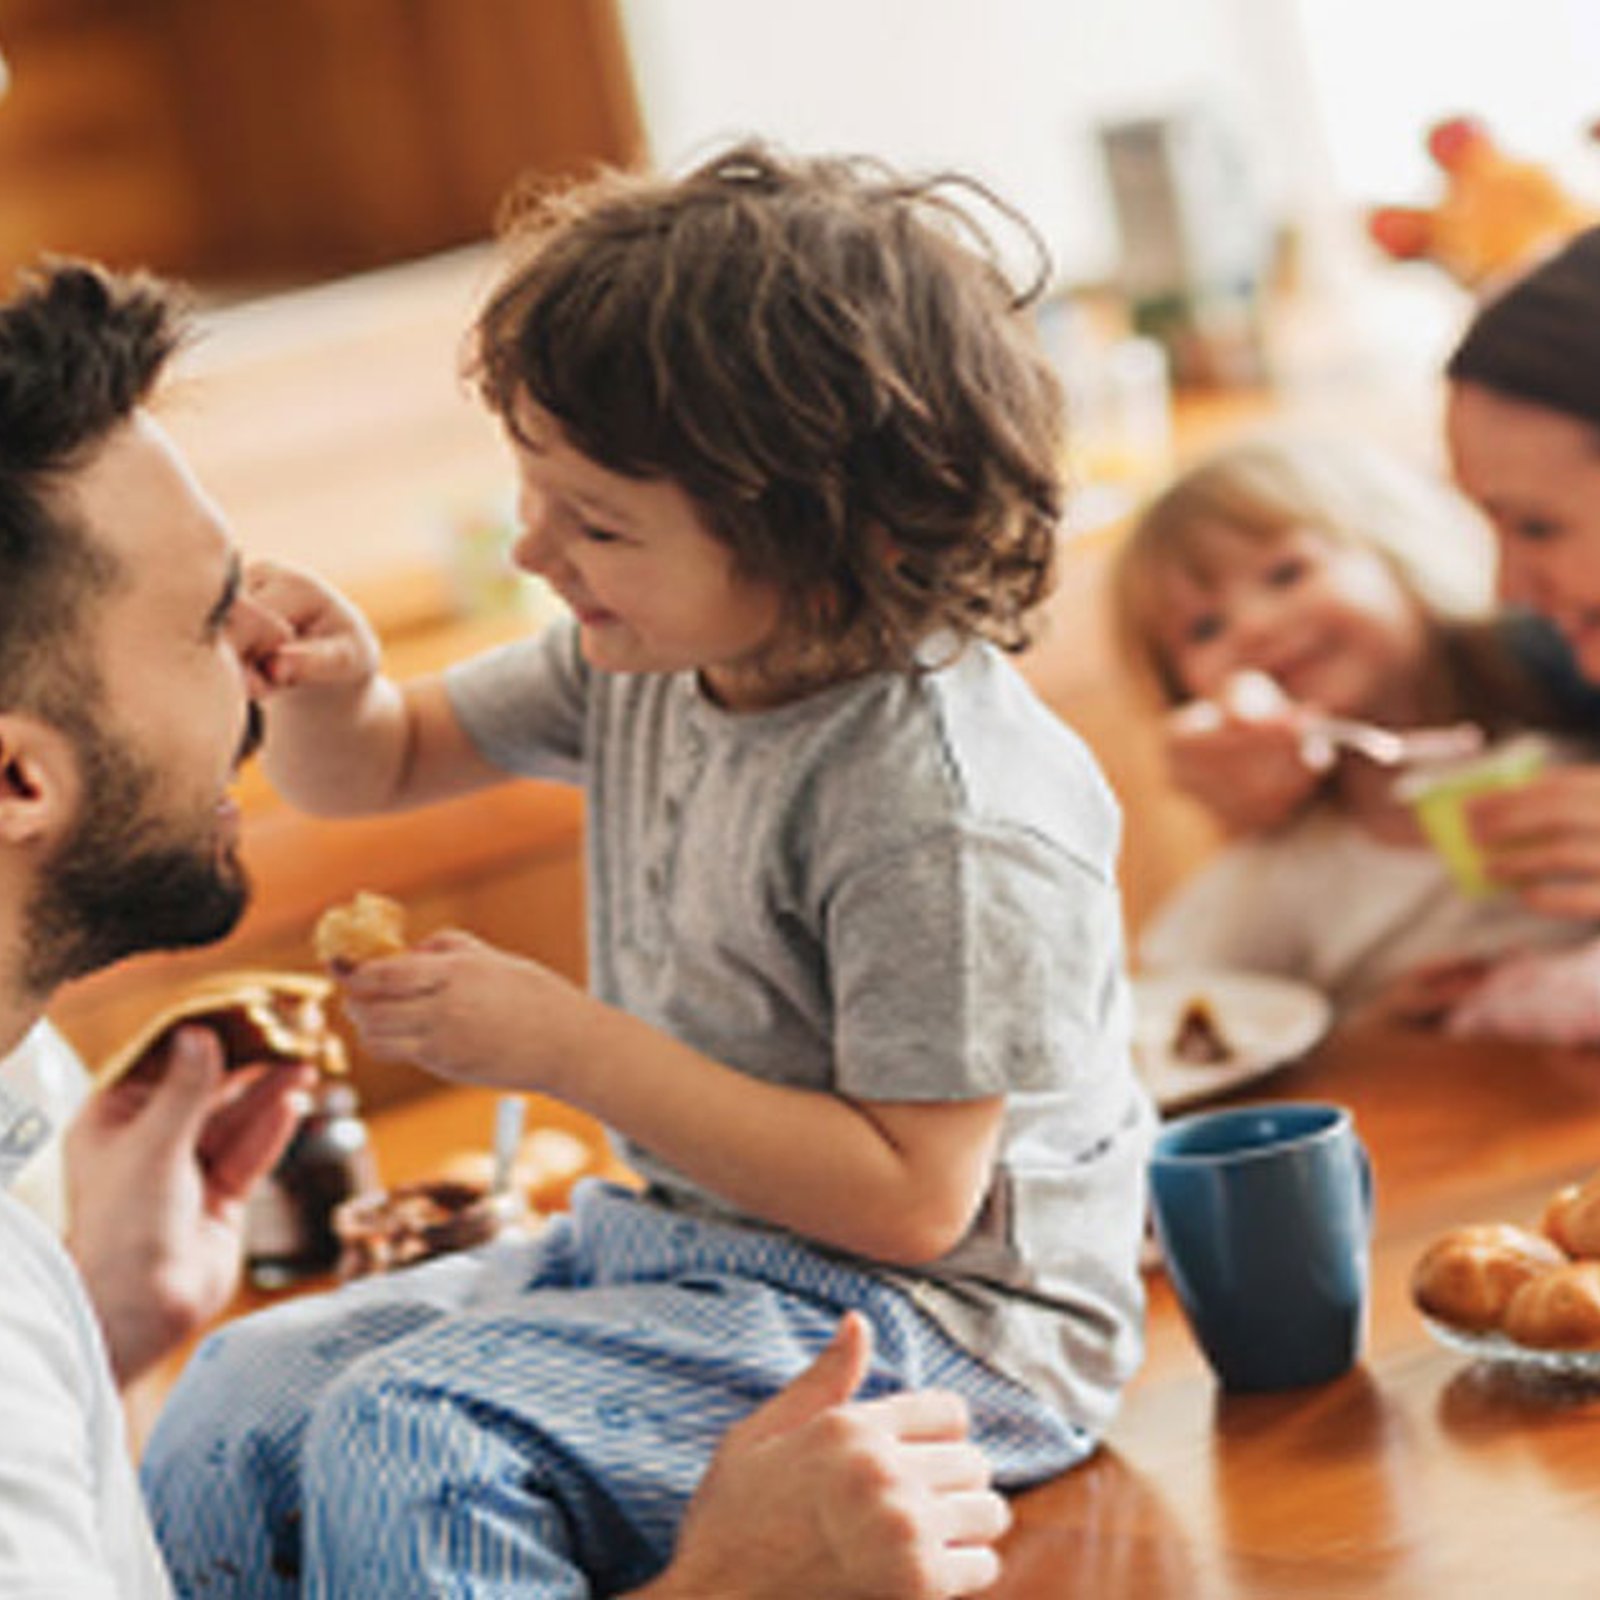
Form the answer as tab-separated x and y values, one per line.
1266	488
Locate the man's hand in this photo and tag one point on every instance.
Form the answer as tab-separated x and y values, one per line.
815	1495
158	1169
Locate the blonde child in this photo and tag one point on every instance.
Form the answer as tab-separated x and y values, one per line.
789	454
1329	579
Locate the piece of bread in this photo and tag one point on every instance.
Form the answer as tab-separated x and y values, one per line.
1468	1276
1557	1310
1572	1218
369	926
258	1015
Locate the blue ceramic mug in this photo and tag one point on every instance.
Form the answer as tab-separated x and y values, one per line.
1264	1216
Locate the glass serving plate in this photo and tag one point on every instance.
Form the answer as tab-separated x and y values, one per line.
1580	1366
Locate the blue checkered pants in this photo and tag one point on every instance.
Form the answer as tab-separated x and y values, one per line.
529	1420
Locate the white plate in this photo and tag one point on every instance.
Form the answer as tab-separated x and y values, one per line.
1580	1365
1267	1021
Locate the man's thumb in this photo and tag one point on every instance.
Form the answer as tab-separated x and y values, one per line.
829	1381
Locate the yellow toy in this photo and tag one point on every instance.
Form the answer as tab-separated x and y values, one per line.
1497	214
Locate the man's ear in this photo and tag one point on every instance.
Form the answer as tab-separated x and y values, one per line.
39	780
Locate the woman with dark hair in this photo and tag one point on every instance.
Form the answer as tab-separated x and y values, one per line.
1523	429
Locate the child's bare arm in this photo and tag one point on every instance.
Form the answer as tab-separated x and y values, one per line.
341	738
898	1182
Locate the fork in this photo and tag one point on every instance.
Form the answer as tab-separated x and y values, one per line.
1389	747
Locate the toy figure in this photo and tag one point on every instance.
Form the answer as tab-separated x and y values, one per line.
1497	214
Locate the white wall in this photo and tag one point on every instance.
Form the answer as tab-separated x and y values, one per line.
1010	90
1382	72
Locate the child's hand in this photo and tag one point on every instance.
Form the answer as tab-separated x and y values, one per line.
1551	997
1243	756
329	644
1542	840
467	1011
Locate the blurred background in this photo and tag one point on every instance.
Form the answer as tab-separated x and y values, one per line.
249	145
326	172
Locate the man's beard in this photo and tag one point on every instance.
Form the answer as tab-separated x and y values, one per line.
123	881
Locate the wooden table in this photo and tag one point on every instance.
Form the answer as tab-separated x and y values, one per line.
1418	1474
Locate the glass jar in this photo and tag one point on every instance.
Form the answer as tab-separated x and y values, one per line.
288	1228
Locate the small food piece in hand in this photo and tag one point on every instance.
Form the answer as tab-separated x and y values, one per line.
412	1223
1468	1276
258	1015
1198	1037
1572	1218
370	926
1558	1310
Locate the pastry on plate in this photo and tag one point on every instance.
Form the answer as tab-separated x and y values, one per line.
1198	1037
1572	1218
1467	1277
1557	1310
367	927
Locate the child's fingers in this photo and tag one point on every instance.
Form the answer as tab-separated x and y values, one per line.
395	1029
324	662
302	600
448	941
386	979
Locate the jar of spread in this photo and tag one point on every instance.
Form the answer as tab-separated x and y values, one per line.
288	1227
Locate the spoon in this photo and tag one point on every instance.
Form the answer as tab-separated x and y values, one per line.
1255	696
509	1112
1389	747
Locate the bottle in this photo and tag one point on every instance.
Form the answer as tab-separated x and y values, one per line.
288	1227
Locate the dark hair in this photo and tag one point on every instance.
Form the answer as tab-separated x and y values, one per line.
829	359
1538	339
80	349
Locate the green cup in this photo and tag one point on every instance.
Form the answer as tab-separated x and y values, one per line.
1437	794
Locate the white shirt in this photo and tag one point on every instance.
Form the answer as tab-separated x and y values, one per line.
45	1073
1321	900
72	1524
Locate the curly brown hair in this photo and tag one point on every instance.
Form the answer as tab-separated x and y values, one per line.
828	358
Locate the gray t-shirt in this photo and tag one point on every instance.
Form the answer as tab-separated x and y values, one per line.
899	888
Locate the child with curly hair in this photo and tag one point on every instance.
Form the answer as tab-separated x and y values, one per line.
790	454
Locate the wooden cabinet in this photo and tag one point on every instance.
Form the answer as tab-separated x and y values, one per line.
236	141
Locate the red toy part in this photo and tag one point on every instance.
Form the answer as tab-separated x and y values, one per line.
1497	212
1403	233
1452	140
